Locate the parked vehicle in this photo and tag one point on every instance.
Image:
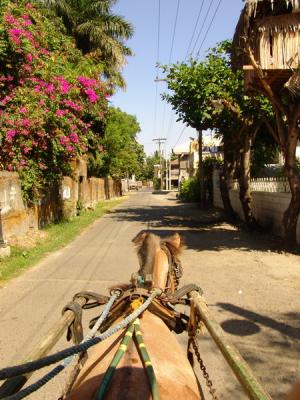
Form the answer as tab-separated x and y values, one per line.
133	185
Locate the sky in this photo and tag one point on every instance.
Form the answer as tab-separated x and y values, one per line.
152	43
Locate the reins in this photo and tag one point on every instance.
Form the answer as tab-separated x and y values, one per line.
22	369
156	301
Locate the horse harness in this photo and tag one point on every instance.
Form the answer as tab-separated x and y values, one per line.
163	307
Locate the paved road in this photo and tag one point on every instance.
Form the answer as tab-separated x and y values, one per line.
242	277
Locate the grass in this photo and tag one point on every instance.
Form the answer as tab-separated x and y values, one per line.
58	236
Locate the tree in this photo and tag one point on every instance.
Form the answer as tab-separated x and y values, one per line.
98	32
148	168
209	95
286	107
122	155
48	111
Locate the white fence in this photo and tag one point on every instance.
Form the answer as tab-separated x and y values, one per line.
269	201
274	185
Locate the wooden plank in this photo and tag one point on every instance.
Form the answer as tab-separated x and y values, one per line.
239	366
248	68
13	385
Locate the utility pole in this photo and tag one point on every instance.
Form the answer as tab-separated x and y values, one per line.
200	170
160	141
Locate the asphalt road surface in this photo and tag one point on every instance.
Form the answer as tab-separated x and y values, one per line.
252	290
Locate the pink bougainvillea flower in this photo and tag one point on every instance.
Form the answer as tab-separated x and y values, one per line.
63	140
23	110
70	148
10	19
50	88
5	100
74	137
60	113
72	105
93	97
16	32
29	57
10	134
10	167
26	150
45	52
25	122
86	82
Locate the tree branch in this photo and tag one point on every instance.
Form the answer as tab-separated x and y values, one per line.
273	98
271	130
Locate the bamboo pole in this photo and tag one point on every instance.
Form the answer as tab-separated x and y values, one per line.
239	366
13	385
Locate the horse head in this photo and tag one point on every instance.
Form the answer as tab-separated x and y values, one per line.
158	259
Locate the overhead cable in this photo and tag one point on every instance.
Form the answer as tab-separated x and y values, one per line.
203	24
209	27
194	31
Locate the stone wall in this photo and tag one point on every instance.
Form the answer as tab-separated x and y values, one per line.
16	220
63	201
268	207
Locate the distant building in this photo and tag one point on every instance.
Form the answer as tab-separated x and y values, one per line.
186	165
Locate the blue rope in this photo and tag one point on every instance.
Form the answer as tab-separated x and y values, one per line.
71	351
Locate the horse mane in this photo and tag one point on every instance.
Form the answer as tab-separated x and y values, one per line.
147	245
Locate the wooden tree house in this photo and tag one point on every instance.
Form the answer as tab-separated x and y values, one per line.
272	29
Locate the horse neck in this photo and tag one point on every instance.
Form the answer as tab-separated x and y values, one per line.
154	261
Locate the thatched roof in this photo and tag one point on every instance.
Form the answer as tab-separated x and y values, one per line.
252	5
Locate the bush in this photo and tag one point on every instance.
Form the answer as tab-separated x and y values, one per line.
156	183
190	190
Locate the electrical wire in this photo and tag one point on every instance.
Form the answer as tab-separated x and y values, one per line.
170	59
156	67
180	135
194	31
174	31
203	24
209	27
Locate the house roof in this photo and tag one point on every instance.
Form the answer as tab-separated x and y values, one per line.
182	148
252	5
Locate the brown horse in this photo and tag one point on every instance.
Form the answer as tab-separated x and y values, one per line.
175	377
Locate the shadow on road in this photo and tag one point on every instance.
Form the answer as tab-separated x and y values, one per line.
201	230
255	318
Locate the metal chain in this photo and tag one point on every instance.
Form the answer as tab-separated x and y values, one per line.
209	383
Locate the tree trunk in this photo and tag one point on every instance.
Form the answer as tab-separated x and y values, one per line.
244	182
227	175
226	178
290	217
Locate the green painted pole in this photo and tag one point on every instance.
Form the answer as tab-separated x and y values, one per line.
146	361
239	366
101	392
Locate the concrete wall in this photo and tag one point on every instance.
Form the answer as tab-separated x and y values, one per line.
63	201
15	218
268	207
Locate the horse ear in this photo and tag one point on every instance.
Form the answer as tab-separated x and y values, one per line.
175	241
139	238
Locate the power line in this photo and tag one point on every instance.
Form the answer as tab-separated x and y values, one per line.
157	60
209	27
170	57
158	33
194	31
201	30
174	31
180	135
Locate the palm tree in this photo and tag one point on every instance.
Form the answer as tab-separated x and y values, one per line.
98	32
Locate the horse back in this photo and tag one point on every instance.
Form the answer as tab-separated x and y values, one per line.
174	374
